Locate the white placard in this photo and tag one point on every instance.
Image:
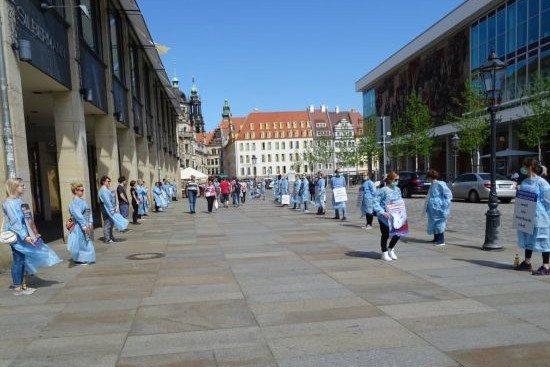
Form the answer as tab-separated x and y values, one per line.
524	211
285	199
340	194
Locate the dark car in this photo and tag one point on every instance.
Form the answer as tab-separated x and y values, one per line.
412	183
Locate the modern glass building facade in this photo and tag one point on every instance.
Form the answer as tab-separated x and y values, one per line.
519	32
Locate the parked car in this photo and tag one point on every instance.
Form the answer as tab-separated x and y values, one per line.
476	186
412	183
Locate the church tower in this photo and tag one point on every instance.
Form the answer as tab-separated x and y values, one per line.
226	114
195	109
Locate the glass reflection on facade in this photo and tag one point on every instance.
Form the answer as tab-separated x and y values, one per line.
519	32
369	104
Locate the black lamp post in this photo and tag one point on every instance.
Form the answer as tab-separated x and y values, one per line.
455	140
254	160
492	74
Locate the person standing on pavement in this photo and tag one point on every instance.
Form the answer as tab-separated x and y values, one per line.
158	198
123	203
312	182
539	240
236	192
438	207
276	188
244	188
135	202
320	193
296	194
336	182
283	189
387	195
29	251
79	242
304	189
262	186
367	202
225	189
192	193
108	210
210	194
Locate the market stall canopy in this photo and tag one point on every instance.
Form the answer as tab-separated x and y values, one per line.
186	174
509	153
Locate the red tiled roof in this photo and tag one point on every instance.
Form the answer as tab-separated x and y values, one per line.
255	120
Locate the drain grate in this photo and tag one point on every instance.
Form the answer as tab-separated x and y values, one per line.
146	256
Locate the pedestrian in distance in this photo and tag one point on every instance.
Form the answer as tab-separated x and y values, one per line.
225	190
304	191
29	250
312	182
296	194
236	192
158	198
210	194
79	241
388	194
283	189
276	184
111	218
368	193
438	207
135	202
192	193
244	188
123	203
320	193
539	240
336	182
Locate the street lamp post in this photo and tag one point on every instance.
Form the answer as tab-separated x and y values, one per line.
492	74
455	144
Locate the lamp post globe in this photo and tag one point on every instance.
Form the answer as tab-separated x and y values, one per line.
492	76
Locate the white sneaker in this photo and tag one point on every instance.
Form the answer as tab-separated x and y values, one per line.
385	256
368	227
439	244
392	254
306	211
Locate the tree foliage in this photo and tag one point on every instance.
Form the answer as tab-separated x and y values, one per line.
535	129
367	147
322	152
472	127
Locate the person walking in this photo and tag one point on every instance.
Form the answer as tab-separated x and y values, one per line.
244	188
29	252
539	240
225	189
108	210
296	194
438	207
135	202
320	193
388	194
368	191
210	194
236	192
123	203
79	241
304	191
336	182
192	193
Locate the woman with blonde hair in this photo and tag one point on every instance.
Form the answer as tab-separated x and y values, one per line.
79	243
29	251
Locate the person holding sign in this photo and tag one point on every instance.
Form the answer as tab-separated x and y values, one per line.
320	194
389	208
338	185
367	192
438	207
537	237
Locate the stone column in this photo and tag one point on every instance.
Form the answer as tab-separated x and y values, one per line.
143	158
106	147
70	136
128	157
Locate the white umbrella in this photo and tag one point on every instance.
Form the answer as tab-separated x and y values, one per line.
185	174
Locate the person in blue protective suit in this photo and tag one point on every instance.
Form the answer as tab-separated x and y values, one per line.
166	189
108	210
140	191
336	182
160	203
145	199
276	185
388	194
296	194
438	207
320	193
283	188
79	242
539	240
304	191
174	187
368	193
29	251
261	186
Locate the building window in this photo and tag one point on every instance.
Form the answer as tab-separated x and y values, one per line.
251	126
288	124
282	157
276	134
276	158
263	158
298	144
282	134
253	135
117	65
269	146
242	171
263	146
284	169
277	146
248	171
283	145
241	147
134	70
291	143
241	159
264	171
247	146
269	135
246	136
290	157
89	27
261	125
269	158
247	159
254	146
302	124
267	125
294	124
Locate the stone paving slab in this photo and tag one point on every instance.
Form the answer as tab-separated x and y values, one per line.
263	286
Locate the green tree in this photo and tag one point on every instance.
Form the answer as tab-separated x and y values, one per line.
418	127
367	147
472	127
322	151
399	142
535	129
346	155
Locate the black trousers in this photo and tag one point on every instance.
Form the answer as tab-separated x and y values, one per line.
135	214
545	256
210	200
369	218
385	230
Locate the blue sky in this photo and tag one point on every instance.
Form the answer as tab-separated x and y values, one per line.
282	54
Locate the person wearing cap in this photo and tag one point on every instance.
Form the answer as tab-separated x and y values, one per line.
336	182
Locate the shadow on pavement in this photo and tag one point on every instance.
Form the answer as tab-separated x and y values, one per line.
365	254
487	263
37	282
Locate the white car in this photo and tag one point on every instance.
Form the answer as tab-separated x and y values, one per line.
477	186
